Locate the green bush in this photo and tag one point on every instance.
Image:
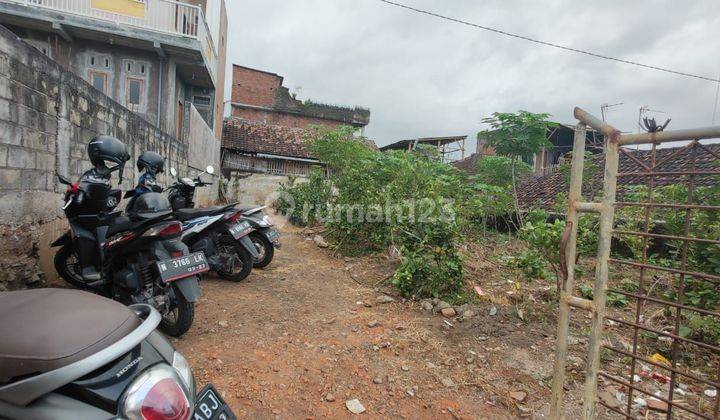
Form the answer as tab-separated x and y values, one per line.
532	265
411	201
498	171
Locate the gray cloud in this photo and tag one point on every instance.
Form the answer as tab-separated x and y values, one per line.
421	76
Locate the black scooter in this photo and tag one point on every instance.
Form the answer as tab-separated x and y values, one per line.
265	236
131	260
215	231
67	354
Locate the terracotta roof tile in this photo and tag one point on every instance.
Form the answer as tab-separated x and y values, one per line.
542	191
256	137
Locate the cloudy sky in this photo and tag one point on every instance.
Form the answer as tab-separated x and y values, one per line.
422	76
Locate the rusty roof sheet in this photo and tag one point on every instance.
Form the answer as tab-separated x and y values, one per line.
542	192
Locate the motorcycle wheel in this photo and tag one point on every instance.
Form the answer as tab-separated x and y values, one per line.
67	266
265	249
242	260
180	317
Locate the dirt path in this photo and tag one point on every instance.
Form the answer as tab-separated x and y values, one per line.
296	341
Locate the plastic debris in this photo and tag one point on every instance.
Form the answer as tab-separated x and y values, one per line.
659	358
712	393
479	291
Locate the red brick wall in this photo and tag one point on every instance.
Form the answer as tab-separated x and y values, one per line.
277	118
254	87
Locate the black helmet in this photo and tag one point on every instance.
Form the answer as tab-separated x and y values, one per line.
102	149
151	162
151	204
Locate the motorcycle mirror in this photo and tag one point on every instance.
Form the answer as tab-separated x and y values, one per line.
173	171
63	180
210	169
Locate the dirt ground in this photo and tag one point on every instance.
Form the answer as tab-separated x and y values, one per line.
303	336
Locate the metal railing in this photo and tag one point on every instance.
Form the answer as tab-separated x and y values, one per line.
166	16
640	336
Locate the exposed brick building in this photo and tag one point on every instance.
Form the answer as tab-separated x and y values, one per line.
260	96
262	141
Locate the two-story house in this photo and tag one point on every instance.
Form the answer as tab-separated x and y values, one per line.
156	57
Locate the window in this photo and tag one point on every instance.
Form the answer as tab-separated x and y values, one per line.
134	91
99	81
201	100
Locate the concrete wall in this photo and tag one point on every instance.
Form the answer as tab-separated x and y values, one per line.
47	116
204	150
220	77
248	188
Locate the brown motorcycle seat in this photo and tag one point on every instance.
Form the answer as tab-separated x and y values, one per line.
45	329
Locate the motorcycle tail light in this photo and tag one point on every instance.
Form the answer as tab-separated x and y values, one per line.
157	394
164	230
117	239
176	254
233	218
165	400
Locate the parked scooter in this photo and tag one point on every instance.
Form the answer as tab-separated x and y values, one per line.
137	259
215	231
265	238
67	354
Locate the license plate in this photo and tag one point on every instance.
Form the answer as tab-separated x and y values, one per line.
210	406
181	267
240	229
273	236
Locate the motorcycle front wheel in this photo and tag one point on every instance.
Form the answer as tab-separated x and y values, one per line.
237	261
68	267
265	249
179	318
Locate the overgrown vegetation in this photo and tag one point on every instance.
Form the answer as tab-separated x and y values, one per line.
411	202
423	209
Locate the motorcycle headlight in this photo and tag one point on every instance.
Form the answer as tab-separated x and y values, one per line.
182	367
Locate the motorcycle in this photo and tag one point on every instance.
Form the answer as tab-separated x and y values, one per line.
214	231
265	237
98	360
131	260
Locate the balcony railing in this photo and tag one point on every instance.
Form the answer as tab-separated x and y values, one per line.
164	16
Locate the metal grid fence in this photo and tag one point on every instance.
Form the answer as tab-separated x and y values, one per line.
662	193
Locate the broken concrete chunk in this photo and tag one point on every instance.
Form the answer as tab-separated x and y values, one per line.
448	312
354	406
320	241
385	299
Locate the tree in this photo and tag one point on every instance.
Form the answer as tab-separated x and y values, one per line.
516	135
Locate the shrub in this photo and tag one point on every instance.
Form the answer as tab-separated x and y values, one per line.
498	171
411	201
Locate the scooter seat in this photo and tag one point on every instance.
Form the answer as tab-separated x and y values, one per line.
46	329
249	208
187	214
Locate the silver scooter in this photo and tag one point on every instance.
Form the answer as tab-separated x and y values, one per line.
68	354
